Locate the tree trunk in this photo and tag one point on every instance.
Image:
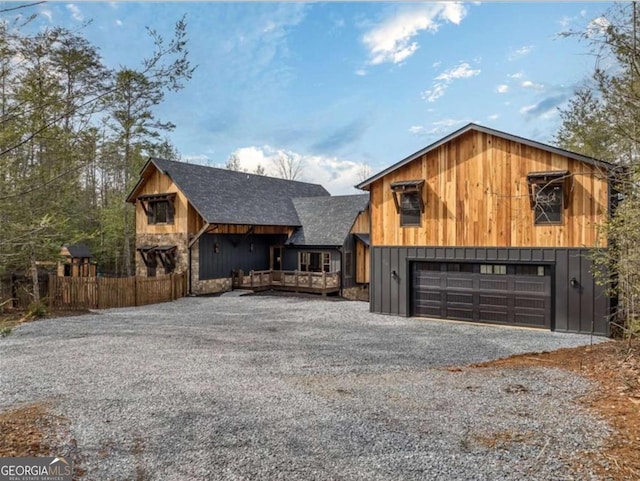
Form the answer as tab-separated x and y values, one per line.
34	279
127	242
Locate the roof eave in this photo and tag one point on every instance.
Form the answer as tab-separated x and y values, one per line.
471	126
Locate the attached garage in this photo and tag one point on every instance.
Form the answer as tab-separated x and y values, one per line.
547	288
514	294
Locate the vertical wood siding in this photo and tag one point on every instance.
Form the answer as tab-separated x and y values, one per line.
476	194
183	221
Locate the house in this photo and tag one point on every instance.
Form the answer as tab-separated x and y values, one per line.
484	226
76	261
327	240
216	224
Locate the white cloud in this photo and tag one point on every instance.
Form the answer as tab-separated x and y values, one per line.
445	126
442	81
565	21
47	13
393	40
528	109
119	23
338	176
502	88
597	26
517	75
528	84
435	92
520	52
448	122
361	72
417	129
436	65
463	70
75	12
493	117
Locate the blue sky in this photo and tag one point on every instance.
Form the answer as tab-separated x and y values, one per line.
342	84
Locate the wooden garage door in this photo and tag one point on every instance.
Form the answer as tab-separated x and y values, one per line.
500	293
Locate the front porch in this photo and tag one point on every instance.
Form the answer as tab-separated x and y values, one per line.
314	282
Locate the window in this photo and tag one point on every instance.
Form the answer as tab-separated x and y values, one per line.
549	194
463	267
548	204
158	207
314	261
499	269
526	270
160	212
410	211
407	196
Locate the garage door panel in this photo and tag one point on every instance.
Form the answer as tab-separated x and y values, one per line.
530	319
459	298
530	286
506	297
493	285
459	283
457	313
493	300
530	303
494	316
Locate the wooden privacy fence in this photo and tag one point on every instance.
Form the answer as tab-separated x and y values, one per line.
106	292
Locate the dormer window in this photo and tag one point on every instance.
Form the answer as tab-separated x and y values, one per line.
549	195
159	208
407	196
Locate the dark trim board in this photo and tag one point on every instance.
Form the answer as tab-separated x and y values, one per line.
581	308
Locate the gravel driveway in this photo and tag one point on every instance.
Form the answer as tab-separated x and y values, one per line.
264	388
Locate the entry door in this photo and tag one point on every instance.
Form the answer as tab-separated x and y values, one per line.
276	258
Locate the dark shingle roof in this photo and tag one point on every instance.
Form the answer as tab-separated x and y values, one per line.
326	221
77	250
224	196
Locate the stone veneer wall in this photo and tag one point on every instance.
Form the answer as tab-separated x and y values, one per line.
357	293
207	286
179	240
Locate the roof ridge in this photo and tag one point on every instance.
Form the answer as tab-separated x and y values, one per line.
231	172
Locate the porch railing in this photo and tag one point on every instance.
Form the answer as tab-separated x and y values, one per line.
323	282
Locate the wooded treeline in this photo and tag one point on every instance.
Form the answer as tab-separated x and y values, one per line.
74	134
602	120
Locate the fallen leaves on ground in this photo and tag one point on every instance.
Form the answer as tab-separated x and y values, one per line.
615	366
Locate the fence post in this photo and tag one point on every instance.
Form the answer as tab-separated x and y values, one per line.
52	290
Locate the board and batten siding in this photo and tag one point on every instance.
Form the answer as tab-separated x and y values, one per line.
362	225
476	194
158	183
583	308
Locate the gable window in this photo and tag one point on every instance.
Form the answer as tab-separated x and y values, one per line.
407	196
314	261
548	207
549	195
160	212
410	212
159	208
